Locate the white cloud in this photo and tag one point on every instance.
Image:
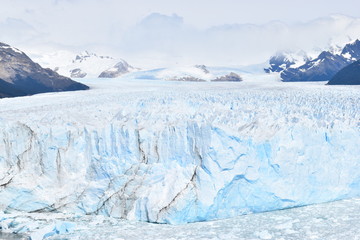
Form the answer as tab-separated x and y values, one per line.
162	37
187	31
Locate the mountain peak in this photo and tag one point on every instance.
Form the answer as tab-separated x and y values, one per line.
352	50
85	55
6	46
117	70
286	59
325	54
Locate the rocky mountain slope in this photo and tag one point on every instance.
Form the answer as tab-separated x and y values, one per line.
117	70
284	60
20	76
325	66
349	75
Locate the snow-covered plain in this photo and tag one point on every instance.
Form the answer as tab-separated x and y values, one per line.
178	152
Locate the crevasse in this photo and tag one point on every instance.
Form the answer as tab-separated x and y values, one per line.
184	157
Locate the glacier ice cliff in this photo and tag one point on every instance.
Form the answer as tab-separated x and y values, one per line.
159	155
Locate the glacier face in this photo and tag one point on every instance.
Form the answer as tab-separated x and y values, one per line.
179	152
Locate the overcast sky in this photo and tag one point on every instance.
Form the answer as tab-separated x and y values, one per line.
210	31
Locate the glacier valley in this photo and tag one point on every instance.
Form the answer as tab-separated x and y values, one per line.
179	152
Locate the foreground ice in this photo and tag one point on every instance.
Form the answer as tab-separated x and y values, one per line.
330	221
171	152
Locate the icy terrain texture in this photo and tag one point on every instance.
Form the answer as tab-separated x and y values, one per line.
330	221
171	152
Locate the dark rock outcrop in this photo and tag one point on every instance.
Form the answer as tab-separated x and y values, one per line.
231	77
202	68
187	79
77	73
349	75
20	76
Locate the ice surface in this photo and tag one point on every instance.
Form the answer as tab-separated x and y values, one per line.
34	226
330	221
171	152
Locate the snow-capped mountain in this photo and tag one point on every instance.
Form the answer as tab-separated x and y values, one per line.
195	73
20	76
351	51
349	75
322	68
286	59
85	64
117	70
325	66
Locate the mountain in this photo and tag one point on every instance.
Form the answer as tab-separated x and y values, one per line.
20	76
285	60
349	75
321	68
117	70
85	64
352	51
325	66
196	73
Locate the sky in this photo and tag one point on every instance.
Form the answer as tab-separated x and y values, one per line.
157	32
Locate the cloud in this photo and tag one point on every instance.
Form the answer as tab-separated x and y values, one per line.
168	39
13	28
156	32
163	32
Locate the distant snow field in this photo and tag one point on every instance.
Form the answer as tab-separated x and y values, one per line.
150	150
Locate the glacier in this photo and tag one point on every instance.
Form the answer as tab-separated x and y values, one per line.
178	152
331	221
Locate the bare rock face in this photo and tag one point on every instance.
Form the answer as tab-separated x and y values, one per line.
77	73
119	69
20	76
187	79
349	75
203	68
231	77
